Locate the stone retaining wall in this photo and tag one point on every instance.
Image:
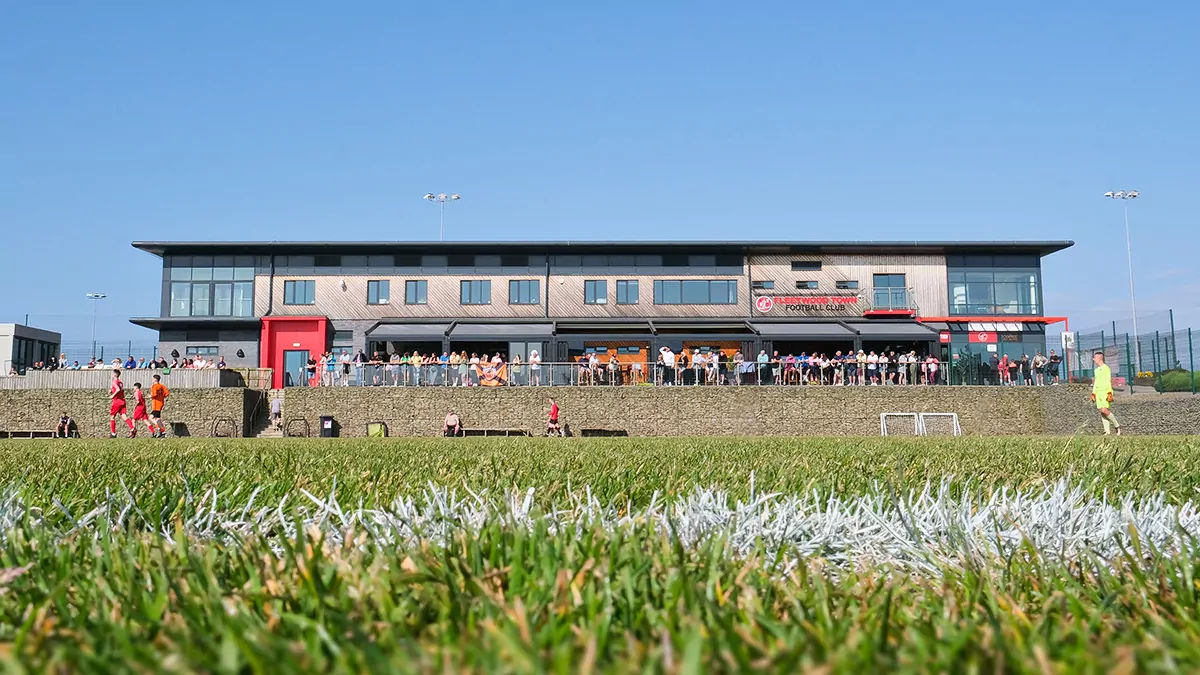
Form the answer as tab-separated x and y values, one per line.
637	411
729	411
202	412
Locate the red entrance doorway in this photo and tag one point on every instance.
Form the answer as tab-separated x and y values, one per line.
282	334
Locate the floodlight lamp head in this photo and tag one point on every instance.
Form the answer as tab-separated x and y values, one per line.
455	197
1110	194
442	197
429	196
1132	194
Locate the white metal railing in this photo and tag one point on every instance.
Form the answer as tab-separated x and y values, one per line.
629	373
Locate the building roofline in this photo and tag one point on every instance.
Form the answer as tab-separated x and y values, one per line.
1042	248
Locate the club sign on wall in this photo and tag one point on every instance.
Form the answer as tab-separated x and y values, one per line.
807	304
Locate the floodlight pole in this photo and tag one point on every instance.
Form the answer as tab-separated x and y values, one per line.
441	199
1125	196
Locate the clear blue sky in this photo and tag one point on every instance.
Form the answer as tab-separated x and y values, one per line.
669	120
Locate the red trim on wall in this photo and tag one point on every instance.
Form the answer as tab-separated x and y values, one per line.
889	312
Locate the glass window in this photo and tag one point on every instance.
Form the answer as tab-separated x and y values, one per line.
200	299
222	299
730	260
243	274
434	261
702	260
846	285
460	260
343	336
889	281
763	285
627	292
806	265
354	261
202	261
300	261
514	261
622	261
416	292
648	260
181	261
202	274
806	285
568	261
998	291
181	299
487	261
299	292
594	261
381	261
327	261
379	292
475	292
595	292
181	274
408	260
201	351
243	299
675	260
695	292
524	292
222	274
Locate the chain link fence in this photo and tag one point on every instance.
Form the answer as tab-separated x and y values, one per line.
1160	356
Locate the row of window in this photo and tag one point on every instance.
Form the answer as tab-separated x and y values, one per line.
841	285
212	298
507	260
522	292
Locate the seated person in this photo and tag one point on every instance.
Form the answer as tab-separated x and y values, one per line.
453	425
65	428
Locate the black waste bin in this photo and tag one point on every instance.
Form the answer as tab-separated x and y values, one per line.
328	427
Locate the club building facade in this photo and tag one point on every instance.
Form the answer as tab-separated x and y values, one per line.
275	304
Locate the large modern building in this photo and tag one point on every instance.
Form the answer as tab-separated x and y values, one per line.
273	304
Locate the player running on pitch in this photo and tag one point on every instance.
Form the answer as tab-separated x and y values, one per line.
158	398
139	410
1102	394
116	392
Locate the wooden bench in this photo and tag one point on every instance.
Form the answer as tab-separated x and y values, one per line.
32	433
494	432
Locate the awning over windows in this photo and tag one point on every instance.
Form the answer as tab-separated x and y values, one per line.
894	331
409	331
501	331
804	331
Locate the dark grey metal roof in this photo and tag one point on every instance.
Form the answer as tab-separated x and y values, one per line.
300	247
212	322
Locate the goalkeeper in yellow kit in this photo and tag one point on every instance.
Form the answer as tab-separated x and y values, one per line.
1102	394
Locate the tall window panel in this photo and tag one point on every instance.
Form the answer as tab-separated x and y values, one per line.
891	291
299	292
627	292
209	285
595	292
379	292
475	292
524	292
416	292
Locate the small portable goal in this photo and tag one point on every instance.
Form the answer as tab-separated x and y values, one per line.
884	417
942	421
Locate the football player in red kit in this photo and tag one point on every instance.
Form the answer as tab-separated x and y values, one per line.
117	393
139	410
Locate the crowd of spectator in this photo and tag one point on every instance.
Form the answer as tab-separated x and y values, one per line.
160	363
